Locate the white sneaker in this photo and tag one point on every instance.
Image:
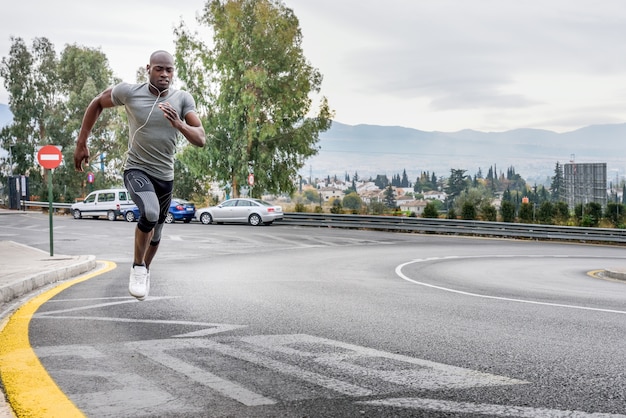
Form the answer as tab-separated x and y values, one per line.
138	284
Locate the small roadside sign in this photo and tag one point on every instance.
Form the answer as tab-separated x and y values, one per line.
49	157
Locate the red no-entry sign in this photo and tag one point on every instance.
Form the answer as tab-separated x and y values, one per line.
49	157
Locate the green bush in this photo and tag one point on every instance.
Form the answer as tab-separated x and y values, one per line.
488	212
300	207
430	211
469	211
507	210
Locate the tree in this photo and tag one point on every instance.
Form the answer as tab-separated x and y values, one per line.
352	201
546	213
557	187
477	196
405	179
83	73
47	97
336	207
507	210
389	197
430	211
526	212
591	214
382	181
456	183
561	211
253	88
488	212
32	81
615	213
468	211
311	195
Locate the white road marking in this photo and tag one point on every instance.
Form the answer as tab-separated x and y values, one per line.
214	328
127	391
227	388
332	365
476	295
125	301
367	363
486	409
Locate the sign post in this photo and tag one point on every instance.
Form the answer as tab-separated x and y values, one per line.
50	157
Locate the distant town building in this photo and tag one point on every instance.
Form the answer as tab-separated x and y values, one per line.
435	195
416	206
585	183
328	193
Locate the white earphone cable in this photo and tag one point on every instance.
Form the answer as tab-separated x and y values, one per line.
132	138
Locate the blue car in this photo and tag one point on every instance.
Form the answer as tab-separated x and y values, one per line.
180	210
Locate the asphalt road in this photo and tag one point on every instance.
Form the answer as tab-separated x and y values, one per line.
317	322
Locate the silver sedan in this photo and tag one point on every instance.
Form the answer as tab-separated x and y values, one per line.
241	210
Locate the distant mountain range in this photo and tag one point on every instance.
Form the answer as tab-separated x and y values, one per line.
371	149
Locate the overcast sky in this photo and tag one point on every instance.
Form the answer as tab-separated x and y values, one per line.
433	65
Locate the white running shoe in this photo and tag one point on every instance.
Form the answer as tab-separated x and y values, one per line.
138	284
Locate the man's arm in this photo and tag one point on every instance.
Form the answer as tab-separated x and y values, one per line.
81	153
191	129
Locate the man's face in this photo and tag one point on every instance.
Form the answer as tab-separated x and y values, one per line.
161	71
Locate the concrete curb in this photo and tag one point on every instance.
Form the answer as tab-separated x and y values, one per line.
24	285
616	273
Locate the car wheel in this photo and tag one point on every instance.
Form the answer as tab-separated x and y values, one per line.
206	218
254	219
169	218
111	216
130	216
77	214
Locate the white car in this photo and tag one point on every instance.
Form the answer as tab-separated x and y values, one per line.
241	210
109	202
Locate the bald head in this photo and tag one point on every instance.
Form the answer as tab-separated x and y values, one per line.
161	54
160	70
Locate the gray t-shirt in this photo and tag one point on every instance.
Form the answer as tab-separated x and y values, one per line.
152	137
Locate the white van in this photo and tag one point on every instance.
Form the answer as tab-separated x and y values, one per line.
109	203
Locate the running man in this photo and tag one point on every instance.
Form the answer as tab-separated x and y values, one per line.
156	114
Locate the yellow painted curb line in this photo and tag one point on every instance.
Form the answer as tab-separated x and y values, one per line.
30	391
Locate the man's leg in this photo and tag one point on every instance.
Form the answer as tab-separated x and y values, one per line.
142	190
143	250
150	253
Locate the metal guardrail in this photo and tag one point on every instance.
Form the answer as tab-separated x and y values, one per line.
55	205
458	227
437	226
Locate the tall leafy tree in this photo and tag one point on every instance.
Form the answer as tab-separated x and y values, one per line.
405	179
382	181
507	210
30	77
457	182
389	197
557	187
84	72
254	86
